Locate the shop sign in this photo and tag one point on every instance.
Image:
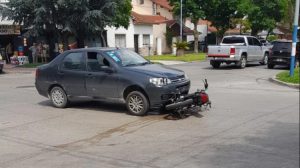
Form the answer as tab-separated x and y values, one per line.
10	30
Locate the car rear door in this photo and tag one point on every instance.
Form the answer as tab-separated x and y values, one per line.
71	74
101	80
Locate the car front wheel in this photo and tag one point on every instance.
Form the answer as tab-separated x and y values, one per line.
137	104
58	97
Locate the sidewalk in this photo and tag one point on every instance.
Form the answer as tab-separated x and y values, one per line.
169	62
9	68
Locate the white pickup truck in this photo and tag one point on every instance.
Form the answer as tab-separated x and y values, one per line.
238	49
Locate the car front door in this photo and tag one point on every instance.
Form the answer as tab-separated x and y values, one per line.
71	74
251	49
101	80
259	54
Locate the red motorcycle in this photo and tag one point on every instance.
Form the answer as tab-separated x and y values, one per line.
182	106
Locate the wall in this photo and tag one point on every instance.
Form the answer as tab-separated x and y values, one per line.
111	31
201	28
145	9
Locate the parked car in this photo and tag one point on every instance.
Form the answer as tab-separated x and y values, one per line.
281	53
201	45
238	49
1	63
109	74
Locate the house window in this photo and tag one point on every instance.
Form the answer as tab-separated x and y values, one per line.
141	2
146	39
120	40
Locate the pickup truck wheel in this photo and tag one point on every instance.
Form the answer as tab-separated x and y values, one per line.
242	63
58	97
137	104
271	66
215	64
265	59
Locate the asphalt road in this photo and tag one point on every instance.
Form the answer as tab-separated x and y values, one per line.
253	123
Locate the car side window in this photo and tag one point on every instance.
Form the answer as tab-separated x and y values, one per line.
256	42
250	41
73	61
96	62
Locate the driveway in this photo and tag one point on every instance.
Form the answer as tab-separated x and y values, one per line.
252	124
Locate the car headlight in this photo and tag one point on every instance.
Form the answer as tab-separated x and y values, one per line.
160	81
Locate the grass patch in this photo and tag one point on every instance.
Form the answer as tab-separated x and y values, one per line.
285	76
185	58
31	65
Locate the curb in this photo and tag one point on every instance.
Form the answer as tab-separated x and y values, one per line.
274	80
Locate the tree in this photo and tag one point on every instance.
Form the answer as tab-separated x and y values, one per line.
56	19
263	14
220	13
191	9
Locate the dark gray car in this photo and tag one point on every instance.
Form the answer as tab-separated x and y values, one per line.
113	74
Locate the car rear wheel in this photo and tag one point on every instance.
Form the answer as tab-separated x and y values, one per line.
137	104
271	66
58	97
215	64
242	63
265	59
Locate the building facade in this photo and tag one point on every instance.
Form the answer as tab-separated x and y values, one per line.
147	29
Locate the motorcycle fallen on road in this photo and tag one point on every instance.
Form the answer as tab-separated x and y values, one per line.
182	106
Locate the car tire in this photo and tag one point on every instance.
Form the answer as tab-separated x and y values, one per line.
242	63
271	66
265	59
137	103
58	97
215	64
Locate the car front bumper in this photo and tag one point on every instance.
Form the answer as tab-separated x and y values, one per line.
160	96
1	65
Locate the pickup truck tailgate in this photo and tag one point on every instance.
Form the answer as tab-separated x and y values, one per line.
219	51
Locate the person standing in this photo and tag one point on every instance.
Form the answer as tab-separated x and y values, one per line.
9	52
33	50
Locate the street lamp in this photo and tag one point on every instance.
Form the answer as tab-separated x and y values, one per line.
181	21
296	18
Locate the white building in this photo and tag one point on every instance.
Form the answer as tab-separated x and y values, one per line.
146	32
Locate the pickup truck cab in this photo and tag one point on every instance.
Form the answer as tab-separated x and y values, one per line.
238	49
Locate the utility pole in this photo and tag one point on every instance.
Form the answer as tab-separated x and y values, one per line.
296	19
181	22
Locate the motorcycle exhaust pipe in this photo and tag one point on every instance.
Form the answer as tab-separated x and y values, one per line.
179	104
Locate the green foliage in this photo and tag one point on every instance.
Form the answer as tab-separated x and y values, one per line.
263	14
219	12
185	57
191	9
181	45
285	77
272	38
78	17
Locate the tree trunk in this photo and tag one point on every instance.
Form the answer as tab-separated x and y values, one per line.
103	41
254	32
196	37
80	42
51	41
65	41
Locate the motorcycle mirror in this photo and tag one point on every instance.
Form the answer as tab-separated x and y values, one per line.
205	84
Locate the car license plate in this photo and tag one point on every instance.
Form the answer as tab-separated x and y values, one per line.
279	60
